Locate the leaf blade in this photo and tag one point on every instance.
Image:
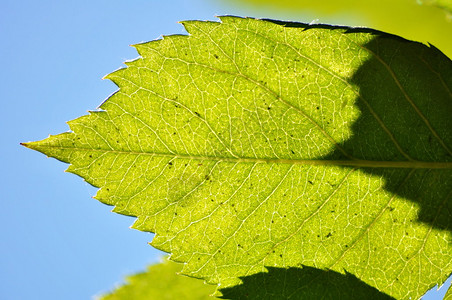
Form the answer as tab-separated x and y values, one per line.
193	114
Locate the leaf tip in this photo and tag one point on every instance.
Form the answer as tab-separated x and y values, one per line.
30	145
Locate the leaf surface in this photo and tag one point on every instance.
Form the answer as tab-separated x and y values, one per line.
251	144
161	281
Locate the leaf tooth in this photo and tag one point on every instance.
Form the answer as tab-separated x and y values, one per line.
117	76
146	48
199	27
75	124
229	19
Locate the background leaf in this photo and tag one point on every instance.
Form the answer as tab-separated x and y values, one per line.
161	281
448	295
443	4
249	144
419	20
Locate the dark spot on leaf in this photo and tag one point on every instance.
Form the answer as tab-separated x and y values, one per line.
310	181
328	235
216	56
170	163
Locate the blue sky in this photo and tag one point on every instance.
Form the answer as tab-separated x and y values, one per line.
57	242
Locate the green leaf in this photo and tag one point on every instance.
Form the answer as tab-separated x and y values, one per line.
252	144
161	282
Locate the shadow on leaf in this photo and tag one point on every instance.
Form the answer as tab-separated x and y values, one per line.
406	109
405	100
302	283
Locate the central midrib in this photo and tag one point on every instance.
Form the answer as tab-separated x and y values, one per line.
313	162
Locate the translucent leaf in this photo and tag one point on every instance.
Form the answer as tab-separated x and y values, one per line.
252	144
